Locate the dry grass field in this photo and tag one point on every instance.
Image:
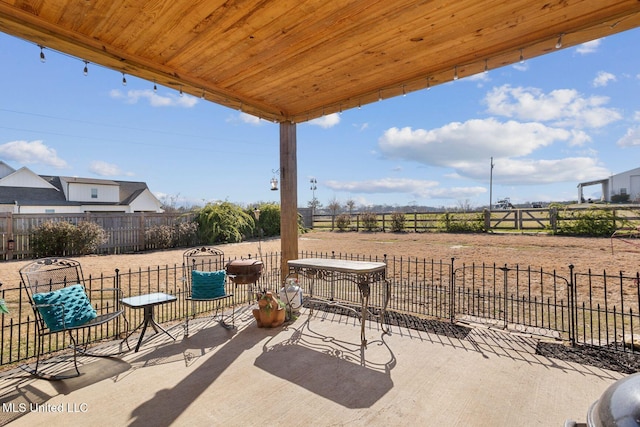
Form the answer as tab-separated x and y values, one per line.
537	251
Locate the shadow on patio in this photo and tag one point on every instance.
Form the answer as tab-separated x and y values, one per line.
314	372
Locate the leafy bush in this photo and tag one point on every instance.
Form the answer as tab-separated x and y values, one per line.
590	222
269	220
620	198
343	222
63	238
369	221
159	236
88	237
397	222
223	223
463	222
186	234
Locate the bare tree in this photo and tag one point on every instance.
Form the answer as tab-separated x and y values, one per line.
351	204
334	207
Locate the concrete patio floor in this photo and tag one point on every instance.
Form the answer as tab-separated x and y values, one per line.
313	372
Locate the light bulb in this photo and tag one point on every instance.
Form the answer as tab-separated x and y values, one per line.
42	58
124	80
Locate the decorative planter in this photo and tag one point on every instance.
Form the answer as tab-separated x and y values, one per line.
269	313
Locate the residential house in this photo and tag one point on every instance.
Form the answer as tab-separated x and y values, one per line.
23	191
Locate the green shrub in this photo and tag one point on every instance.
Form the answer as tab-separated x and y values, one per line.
269	220
620	198
463	222
590	222
62	238
369	221
223	223
397	222
343	222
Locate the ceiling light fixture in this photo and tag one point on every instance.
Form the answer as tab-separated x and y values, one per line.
181	94
202	96
379	95
42	58
85	71
404	91
428	83
124	80
155	86
559	43
455	72
521	57
486	66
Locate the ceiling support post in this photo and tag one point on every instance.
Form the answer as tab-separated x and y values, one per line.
288	195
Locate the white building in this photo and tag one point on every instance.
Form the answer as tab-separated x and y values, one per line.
22	191
623	183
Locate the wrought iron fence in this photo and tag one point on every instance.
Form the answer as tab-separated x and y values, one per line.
578	307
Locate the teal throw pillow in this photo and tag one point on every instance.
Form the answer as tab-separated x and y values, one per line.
69	307
207	284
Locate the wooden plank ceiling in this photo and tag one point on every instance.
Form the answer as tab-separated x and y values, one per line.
295	60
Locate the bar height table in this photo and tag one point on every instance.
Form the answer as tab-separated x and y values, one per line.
362	273
147	302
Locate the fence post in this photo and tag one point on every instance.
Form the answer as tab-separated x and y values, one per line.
452	302
573	308
487	219
505	271
553	219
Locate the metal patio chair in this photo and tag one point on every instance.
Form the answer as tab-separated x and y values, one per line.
206	282
61	303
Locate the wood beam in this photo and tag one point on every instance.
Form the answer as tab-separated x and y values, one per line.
288	195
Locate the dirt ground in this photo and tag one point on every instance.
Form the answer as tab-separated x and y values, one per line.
537	251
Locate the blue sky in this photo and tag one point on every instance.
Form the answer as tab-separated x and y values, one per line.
549	123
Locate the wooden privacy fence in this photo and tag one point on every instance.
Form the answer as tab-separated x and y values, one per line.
582	308
533	219
125	231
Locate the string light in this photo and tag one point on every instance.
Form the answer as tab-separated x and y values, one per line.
379	95
521	57
404	92
85	71
559	43
42	58
455	72
124	80
181	94
486	66
155	86
202	96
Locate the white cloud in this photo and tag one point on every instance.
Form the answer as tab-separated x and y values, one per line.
562	107
458	143
26	152
603	78
248	118
631	138
414	187
466	148
588	47
328	121
155	100
101	168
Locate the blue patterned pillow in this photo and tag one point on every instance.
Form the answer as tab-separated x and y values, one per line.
207	284
70	307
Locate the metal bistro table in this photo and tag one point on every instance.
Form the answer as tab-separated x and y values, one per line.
362	273
147	302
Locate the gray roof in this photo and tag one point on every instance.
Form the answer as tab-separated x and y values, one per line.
25	196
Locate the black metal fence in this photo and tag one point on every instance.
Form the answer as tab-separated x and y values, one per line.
578	307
